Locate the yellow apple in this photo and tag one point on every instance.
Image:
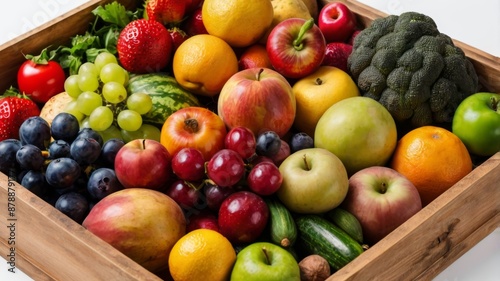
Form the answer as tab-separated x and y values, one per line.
318	91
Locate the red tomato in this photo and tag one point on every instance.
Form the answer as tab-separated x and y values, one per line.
195	127
41	81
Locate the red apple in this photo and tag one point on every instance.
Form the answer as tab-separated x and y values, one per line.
242	217
382	199
260	99
193	25
143	224
336	21
143	163
195	127
296	47
203	219
168	12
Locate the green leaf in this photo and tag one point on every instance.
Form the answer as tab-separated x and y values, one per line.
113	13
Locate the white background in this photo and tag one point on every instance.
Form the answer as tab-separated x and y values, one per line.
476	23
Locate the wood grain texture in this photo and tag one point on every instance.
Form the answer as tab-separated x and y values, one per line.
486	65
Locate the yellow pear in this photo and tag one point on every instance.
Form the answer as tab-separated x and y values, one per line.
312	6
285	9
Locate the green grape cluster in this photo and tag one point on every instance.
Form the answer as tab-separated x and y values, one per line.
100	98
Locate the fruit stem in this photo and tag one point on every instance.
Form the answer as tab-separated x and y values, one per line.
268	260
191	125
319	81
257	76
305	162
143	143
297	43
495	104
383	188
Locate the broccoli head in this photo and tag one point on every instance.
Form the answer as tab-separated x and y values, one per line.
415	71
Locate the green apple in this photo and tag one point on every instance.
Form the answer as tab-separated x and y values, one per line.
477	123
264	261
359	130
314	181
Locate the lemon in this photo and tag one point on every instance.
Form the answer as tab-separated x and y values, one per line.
238	22
202	254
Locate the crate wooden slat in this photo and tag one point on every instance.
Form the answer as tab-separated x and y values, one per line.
49	246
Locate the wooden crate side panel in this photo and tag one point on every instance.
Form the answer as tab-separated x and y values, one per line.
486	65
436	236
53	33
57	248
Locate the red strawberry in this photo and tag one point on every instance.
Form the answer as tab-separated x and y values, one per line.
168	12
336	54
144	46
14	109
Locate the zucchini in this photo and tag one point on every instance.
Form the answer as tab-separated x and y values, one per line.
347	222
282	228
317	235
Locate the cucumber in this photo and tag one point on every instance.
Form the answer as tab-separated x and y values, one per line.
282	228
317	235
347	222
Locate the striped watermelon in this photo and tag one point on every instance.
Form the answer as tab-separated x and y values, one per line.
167	95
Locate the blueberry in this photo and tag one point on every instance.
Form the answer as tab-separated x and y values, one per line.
30	157
85	150
58	149
300	141
89	133
268	144
35	182
36	131
65	127
8	151
62	172
103	182
109	151
73	205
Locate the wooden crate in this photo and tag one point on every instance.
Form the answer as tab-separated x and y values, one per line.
50	246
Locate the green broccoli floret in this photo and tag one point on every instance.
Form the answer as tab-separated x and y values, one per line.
412	69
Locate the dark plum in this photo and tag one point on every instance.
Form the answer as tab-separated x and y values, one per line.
62	173
268	144
58	149
64	126
102	182
85	150
36	131
300	141
73	205
8	151
30	157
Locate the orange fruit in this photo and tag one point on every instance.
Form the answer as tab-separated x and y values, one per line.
254	56
433	159
202	254
238	22
203	63
316	92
